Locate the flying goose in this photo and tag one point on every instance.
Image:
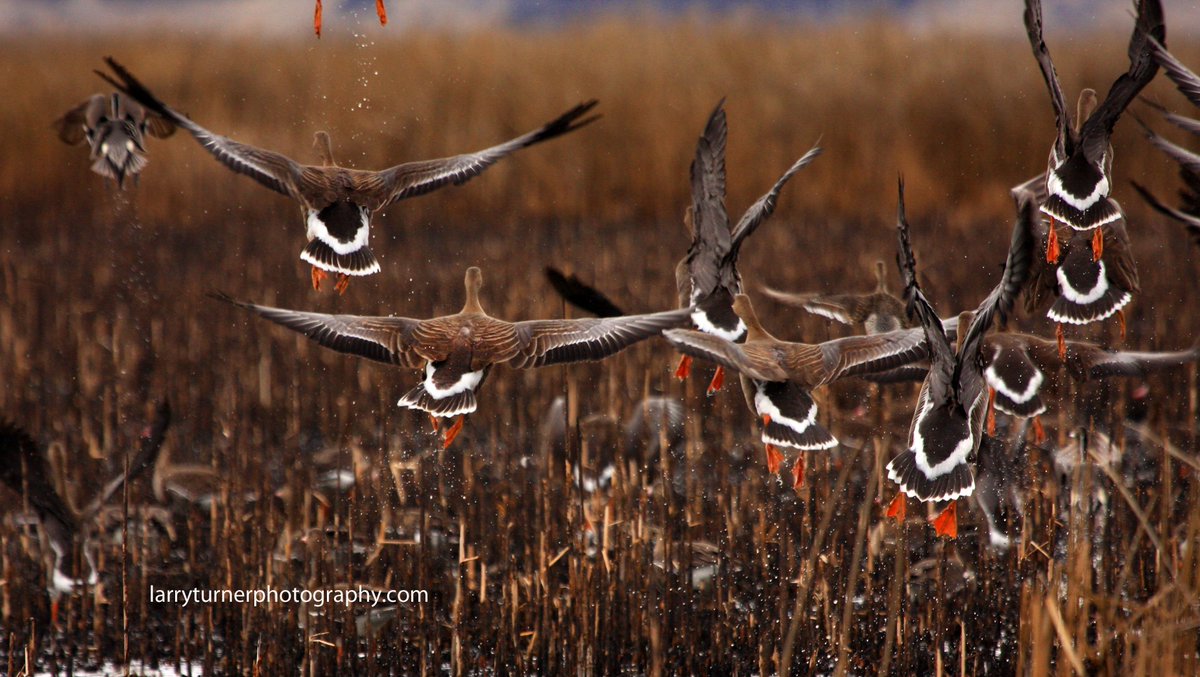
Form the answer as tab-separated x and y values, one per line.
23	469
877	312
948	420
1080	288
337	202
457	351
1077	180
115	128
777	376
707	277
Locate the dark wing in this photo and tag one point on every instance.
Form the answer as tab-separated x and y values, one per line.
546	342
764	206
844	308
1095	133
1187	81
1186	159
146	457
941	354
711	240
73	125
273	170
1000	301
23	468
417	178
581	295
383	339
725	353
859	355
1118	255
1033	27
1192	222
158	126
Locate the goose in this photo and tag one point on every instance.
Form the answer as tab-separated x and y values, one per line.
337	202
457	351
777	377
707	277
947	422
23	469
876	312
1077	179
115	129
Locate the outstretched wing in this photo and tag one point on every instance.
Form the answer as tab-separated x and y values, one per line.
861	355
273	170
546	342
725	353
1100	363
969	374
1095	133
764	206
941	354
145	459
711	240
1183	77
1033	27
417	178
581	295
383	339
73	125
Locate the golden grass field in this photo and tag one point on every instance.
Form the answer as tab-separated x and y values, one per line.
103	312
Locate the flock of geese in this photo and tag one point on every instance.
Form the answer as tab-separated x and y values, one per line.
1069	255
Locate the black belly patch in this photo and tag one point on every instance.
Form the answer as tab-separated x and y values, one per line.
342	219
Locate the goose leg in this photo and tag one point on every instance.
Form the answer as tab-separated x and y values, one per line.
1052	248
1121	320
433	420
1039	433
452	432
54	613
898	508
684	368
991	412
718	380
1098	244
1062	342
318	276
946	523
381	11
343	281
798	472
317	19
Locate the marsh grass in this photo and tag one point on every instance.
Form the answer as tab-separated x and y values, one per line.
102	312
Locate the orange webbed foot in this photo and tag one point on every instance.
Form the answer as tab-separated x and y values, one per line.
1062	341
718	380
1098	245
452	432
1121	321
343	281
434	422
318	276
381	11
684	368
1039	433
1052	249
54	613
317	19
798	473
774	459
991	412
898	508
946	523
